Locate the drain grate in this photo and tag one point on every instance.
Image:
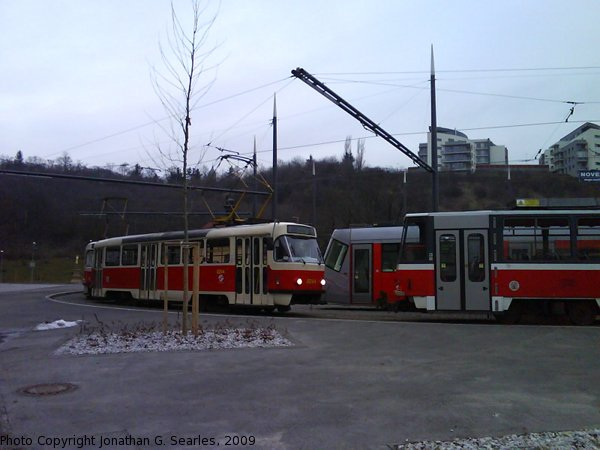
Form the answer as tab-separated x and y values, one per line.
40	390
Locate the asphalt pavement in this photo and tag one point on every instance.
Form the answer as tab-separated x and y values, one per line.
343	384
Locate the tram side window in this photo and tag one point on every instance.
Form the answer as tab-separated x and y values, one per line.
414	242
112	256
173	255
217	251
238	252
447	257
389	257
199	247
129	255
335	255
588	238
536	239
475	257
89	258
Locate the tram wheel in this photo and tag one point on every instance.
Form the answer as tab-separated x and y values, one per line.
512	315
581	312
283	309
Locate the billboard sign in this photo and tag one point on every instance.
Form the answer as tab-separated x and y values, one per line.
589	175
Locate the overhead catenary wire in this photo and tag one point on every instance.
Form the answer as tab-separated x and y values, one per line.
146	124
235	125
338	141
462	91
504	69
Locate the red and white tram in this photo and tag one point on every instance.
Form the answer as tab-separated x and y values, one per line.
270	265
360	265
504	262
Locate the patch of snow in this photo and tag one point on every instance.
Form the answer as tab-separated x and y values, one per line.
124	342
60	323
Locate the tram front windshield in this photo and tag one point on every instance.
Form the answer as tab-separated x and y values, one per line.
297	249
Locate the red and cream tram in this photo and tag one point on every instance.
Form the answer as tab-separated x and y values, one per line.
270	265
503	262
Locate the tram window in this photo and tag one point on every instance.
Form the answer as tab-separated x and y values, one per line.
247	252
475	257
179	255
447	257
536	239
238	252
265	248
111	256
89	258
335	255
414	241
129	255
389	257
256	250
174	254
588	238
556	239
217	251
199	246
280	252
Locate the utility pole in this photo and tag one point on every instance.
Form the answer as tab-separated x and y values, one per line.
313	217
32	263
254	186
434	160
274	206
404	196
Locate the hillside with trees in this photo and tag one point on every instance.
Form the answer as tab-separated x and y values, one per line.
62	215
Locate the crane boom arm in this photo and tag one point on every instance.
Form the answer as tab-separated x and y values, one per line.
364	120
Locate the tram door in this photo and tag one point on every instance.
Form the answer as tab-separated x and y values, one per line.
97	287
361	273
148	262
251	270
462	270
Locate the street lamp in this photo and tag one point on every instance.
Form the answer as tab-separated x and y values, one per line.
32	263
1	258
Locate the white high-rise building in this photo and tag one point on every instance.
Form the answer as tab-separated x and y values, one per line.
459	153
578	150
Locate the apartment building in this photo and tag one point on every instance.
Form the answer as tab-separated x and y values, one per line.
577	151
456	152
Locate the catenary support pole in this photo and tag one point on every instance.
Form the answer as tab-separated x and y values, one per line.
274	199
434	158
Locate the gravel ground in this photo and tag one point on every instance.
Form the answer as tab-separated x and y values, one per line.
585	439
155	341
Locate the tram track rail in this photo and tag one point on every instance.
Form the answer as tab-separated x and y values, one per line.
316	312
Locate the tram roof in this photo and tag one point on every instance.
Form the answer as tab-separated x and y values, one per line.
248	229
511	212
368	234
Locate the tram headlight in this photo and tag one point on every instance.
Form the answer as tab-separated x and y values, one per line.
299	281
323	282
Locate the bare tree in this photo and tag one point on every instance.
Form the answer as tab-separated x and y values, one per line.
359	162
180	86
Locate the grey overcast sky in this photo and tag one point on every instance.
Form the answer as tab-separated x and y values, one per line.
76	78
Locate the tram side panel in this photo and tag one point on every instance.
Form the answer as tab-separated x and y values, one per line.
360	267
416	283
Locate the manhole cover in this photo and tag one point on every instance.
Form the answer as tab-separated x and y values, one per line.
39	390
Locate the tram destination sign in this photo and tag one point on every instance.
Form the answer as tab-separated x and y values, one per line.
589	175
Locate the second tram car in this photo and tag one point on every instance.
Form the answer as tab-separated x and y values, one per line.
504	262
267	266
360	265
